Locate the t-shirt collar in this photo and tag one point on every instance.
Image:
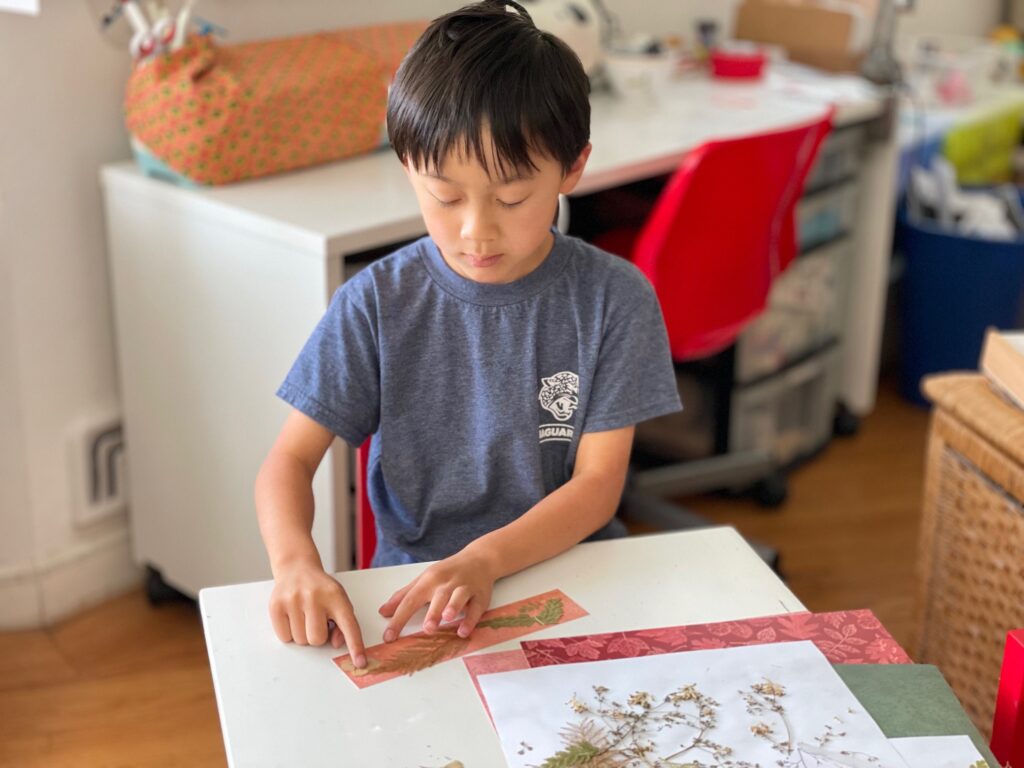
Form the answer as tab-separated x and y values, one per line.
491	294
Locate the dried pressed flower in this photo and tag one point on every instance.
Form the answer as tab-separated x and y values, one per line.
578	706
641	699
768	688
761	729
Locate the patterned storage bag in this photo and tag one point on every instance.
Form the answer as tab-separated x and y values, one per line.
214	114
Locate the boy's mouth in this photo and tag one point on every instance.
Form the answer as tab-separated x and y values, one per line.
480	262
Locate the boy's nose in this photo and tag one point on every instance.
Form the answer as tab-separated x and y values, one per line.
478	229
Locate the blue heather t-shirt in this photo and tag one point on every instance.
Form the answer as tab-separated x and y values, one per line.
476	395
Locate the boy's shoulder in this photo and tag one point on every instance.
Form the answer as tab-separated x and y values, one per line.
614	277
402	268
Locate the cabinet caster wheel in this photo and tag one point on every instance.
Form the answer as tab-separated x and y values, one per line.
846	422
159	591
772	491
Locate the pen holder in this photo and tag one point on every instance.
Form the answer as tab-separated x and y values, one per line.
212	114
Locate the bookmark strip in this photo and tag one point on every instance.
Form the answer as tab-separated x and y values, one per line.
413	653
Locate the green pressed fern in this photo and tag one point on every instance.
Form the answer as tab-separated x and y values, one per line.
552	612
499	622
575	755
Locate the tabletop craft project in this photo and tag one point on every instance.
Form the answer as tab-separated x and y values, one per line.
777	704
413	653
845	637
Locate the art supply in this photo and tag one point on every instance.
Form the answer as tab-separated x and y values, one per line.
417	652
155	30
939	752
780	705
845	637
181	25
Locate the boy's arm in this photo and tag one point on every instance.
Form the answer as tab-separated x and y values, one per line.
560	520
304	596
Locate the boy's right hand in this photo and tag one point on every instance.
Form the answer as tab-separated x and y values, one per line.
303	600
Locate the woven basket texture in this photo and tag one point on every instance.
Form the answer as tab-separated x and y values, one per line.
970	586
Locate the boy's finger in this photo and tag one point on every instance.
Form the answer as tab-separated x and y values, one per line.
297	622
337	638
316	626
279	620
409	605
388	609
437	603
346	621
474	610
456	603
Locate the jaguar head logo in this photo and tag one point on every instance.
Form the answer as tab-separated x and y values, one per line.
559	394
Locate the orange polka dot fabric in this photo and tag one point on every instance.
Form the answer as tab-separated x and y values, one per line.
219	114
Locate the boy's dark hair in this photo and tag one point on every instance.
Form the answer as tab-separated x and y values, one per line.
488	66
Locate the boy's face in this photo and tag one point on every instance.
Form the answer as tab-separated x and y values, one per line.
492	230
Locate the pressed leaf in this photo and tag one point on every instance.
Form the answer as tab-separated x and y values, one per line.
575	755
517	620
552	612
586	732
427	651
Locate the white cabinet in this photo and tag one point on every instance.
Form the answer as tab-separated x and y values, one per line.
214	297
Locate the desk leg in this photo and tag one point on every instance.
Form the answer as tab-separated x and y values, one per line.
869	277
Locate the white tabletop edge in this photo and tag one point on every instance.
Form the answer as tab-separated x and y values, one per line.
283	705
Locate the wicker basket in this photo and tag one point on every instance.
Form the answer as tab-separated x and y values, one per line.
971	565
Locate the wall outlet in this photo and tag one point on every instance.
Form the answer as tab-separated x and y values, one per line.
99	471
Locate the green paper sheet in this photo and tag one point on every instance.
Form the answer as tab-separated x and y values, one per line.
911	700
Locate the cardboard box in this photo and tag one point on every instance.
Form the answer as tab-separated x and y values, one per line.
813	34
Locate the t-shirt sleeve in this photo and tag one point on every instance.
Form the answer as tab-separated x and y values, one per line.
336	378
634	379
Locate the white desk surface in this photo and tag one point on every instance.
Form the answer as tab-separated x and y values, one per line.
365	202
286	705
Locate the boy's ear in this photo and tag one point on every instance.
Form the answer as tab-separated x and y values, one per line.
572	178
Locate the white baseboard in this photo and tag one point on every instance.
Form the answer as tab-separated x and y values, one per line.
39	594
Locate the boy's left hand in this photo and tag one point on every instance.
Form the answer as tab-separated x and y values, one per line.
462	582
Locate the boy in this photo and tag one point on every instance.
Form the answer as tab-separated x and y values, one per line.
499	365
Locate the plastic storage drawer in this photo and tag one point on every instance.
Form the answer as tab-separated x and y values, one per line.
839	158
803	314
826	215
789	415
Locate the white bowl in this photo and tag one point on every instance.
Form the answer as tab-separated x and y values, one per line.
640	75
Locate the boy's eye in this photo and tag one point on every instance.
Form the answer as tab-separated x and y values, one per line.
446	203
510	205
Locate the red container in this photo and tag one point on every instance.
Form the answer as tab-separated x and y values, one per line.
737	65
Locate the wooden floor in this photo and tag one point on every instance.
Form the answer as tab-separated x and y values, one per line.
126	685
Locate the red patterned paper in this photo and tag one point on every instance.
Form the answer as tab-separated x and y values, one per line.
418	651
845	637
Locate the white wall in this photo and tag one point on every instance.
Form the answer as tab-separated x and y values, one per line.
60	87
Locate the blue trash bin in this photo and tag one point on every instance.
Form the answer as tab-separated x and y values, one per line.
954	288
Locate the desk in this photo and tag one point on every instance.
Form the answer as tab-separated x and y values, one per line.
286	705
215	290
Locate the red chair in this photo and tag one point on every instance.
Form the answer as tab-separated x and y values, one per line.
721	231
1008	724
366	530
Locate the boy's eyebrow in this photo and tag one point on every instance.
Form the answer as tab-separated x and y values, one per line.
519	176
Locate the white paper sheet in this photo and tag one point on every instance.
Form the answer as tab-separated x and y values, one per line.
28	7
939	752
779	705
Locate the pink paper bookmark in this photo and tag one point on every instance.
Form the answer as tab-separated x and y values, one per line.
412	653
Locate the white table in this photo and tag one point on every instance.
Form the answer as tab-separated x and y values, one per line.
215	290
287	705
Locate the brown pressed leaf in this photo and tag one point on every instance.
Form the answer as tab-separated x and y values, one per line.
427	651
